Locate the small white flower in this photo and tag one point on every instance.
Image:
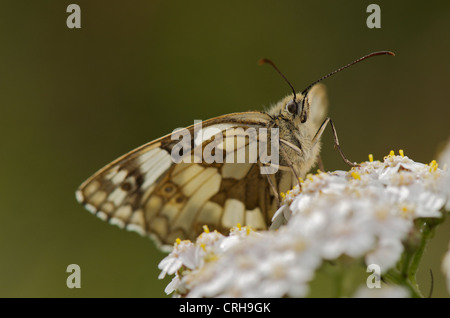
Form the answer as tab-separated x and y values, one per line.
210	241
183	254
174	285
385	254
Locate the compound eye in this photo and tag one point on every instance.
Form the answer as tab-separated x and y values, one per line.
292	107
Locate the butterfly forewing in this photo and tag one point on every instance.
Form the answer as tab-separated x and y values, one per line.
147	192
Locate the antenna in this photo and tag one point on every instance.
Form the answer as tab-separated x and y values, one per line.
306	90
262	61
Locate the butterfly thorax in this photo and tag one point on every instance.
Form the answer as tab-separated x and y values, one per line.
296	133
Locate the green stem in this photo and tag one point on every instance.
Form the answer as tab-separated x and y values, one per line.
412	256
427	233
394	277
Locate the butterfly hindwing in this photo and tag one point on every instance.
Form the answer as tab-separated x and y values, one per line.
147	192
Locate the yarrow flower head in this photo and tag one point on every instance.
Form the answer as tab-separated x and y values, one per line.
375	213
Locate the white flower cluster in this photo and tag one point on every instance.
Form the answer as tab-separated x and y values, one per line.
244	264
365	213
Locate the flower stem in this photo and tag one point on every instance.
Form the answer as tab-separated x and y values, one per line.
410	261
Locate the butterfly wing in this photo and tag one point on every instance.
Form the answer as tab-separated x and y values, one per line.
145	191
319	104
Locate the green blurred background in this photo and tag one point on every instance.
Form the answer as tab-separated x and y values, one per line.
73	100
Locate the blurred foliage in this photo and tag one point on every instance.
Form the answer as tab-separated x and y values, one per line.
72	100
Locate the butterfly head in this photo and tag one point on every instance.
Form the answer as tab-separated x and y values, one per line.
299	104
297	108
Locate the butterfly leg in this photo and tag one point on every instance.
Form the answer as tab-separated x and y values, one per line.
291	166
320	163
275	191
336	140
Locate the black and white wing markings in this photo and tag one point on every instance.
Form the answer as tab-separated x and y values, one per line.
145	191
115	193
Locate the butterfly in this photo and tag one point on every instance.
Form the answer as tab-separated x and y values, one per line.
147	191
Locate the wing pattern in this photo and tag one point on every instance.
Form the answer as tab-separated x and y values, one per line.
146	192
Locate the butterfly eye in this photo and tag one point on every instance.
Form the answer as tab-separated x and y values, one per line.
292	107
